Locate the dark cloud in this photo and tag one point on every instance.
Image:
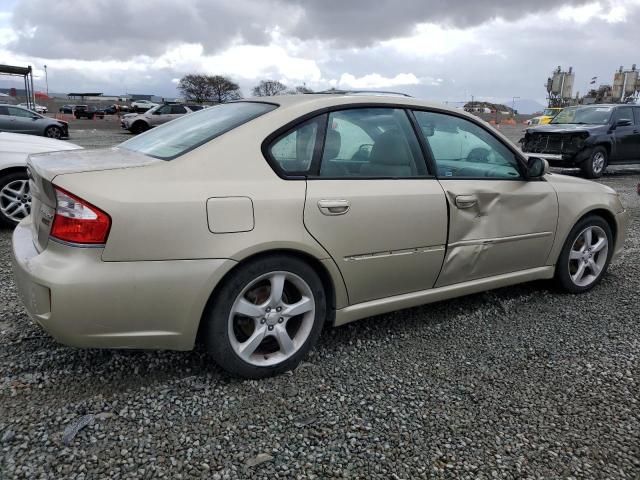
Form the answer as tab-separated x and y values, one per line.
122	29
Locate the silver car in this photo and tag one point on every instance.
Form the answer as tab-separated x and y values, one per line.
16	119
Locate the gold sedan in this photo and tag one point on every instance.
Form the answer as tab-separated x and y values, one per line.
253	224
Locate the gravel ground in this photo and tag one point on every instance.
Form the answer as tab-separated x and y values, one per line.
522	382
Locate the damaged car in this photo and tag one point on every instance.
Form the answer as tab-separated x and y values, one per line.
251	225
589	137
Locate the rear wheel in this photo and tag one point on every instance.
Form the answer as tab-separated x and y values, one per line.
266	317
53	132
585	255
596	164
15	198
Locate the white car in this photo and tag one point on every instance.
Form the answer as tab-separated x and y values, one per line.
15	198
142	105
141	122
37	108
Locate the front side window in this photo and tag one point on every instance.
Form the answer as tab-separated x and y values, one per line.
636	112
371	143
624	113
293	151
462	149
173	139
163	110
21	112
178	110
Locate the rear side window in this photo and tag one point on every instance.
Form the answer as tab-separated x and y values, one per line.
190	131
293	151
178	109
636	112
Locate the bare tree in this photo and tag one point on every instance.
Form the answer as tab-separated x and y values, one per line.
196	88
268	88
202	88
224	89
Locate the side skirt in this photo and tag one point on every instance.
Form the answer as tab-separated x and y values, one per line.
408	300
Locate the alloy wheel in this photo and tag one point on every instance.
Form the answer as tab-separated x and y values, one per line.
588	256
15	200
53	132
271	318
597	163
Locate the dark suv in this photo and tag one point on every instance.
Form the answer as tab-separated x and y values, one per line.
88	111
588	136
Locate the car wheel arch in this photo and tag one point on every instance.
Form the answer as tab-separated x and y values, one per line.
603	213
325	276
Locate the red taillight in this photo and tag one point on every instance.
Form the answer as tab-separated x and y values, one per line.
77	221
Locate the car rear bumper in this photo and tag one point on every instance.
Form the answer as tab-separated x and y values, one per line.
85	302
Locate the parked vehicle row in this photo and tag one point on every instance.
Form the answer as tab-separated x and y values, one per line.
37	108
292	213
590	137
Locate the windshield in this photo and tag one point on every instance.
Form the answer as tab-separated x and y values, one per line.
550	112
190	131
584	115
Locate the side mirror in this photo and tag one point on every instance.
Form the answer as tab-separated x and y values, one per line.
537	167
428	130
623	122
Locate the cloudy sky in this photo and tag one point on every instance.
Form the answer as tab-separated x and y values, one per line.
445	50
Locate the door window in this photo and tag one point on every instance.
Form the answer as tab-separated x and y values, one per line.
624	113
178	110
293	152
4	110
371	143
163	110
636	112
19	112
462	149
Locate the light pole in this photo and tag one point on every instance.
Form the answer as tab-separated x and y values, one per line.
46	79
513	105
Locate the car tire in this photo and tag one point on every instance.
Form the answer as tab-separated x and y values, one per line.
53	132
596	164
13	189
139	127
282	335
584	260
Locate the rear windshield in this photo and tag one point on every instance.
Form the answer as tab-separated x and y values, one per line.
190	131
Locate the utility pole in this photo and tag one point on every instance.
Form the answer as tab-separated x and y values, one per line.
46	79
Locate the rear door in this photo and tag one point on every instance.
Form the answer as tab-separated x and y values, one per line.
7	122
371	202
499	222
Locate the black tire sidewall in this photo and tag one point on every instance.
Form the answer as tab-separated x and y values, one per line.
588	165
215	330
5	179
563	278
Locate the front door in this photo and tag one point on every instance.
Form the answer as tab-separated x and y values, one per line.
370	201
22	120
499	222
627	137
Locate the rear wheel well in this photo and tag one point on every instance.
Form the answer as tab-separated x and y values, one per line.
313	262
10	170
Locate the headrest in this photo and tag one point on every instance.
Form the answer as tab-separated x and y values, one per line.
390	148
332	144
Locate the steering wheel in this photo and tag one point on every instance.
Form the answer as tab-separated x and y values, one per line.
479	155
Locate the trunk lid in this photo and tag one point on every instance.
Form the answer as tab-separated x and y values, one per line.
43	168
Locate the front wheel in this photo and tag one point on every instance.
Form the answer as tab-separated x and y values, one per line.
596	164
15	198
585	256
53	132
266	317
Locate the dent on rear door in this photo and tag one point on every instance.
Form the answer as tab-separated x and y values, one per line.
510	228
